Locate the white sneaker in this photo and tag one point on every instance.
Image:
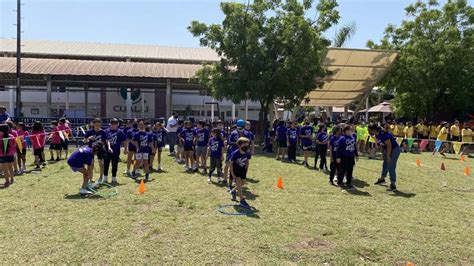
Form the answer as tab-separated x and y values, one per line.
159	168
114	179
84	191
186	168
219	179
209	180
126	172
105	179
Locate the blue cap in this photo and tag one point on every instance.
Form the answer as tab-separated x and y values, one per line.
240	123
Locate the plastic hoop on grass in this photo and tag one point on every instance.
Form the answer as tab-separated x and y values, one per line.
93	188
240	210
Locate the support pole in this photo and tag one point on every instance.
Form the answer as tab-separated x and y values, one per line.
86	101
346	112
67	99
367	109
246	109
169	99
212	110
18	60
233	111
48	96
143	105
11	105
128	103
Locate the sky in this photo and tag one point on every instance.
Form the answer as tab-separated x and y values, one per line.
164	22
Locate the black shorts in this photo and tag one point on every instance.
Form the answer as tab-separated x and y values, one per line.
282	144
22	152
38	151
132	148
188	148
307	148
455	138
240	172
56	147
6	159
65	144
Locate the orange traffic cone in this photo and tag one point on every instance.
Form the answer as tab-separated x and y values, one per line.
418	162
467	171
280	183
410	263
141	187
462	158
443	167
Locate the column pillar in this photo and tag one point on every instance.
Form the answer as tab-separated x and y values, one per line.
11	100
143	104
367	109
169	98
233	111
48	96
346	112
128	103
103	102
86	101
246	110
212	110
67	99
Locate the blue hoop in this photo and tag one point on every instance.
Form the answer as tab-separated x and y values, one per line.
248	210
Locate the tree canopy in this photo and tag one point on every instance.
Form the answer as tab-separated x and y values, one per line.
269	50
435	69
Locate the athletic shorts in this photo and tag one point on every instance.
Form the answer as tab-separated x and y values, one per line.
307	148
75	169
6	159
141	155
455	138
132	148
188	148
282	144
38	151
240	172
22	152
65	144
56	147
201	151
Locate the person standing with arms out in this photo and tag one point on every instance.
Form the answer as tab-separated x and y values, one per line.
282	141
22	133
306	136
334	166
346	156
391	152
202	142
64	127
7	154
38	139
115	139
292	135
322	140
55	139
172	127
216	151
455	131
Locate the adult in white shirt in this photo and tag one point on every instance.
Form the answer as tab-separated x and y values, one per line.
172	126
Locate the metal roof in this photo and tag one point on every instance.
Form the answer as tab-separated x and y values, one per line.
66	67
104	50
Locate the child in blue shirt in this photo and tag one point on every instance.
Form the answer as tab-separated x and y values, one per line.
202	142
240	164
292	134
81	161
334	166
159	135
346	156
115	139
187	137
216	151
322	139
143	141
282	139
306	136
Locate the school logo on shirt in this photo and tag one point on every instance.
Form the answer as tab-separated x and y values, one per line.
143	140
350	144
159	137
214	146
201	136
307	132
189	136
112	138
293	134
242	161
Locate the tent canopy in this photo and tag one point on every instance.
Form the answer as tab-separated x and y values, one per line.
384	107
352	74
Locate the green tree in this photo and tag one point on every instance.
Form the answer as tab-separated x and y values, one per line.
269	50
434	71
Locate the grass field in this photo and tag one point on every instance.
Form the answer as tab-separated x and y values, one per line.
430	221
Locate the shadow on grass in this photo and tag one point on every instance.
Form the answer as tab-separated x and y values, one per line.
253	181
82	197
360	183
249	195
139	180
398	193
357	192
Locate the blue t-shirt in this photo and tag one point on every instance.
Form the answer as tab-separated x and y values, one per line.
292	135
248	134
130	133
202	137
115	138
322	136
100	136
80	157
4	117
346	147
216	147
232	141
239	160
384	136
281	133
144	139
159	137
333	143
306	131
188	135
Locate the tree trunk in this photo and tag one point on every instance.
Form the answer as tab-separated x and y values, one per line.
262	119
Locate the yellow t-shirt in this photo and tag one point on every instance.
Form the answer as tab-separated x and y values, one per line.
408	132
466	135
420	128
443	134
400	130
394	130
455	130
433	132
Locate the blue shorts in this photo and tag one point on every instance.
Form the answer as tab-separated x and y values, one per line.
76	169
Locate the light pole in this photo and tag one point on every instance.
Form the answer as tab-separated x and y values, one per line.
18	60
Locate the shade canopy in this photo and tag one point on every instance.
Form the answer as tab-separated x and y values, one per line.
384	107
352	74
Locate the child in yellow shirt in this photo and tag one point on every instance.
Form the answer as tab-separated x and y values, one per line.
443	136
467	135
